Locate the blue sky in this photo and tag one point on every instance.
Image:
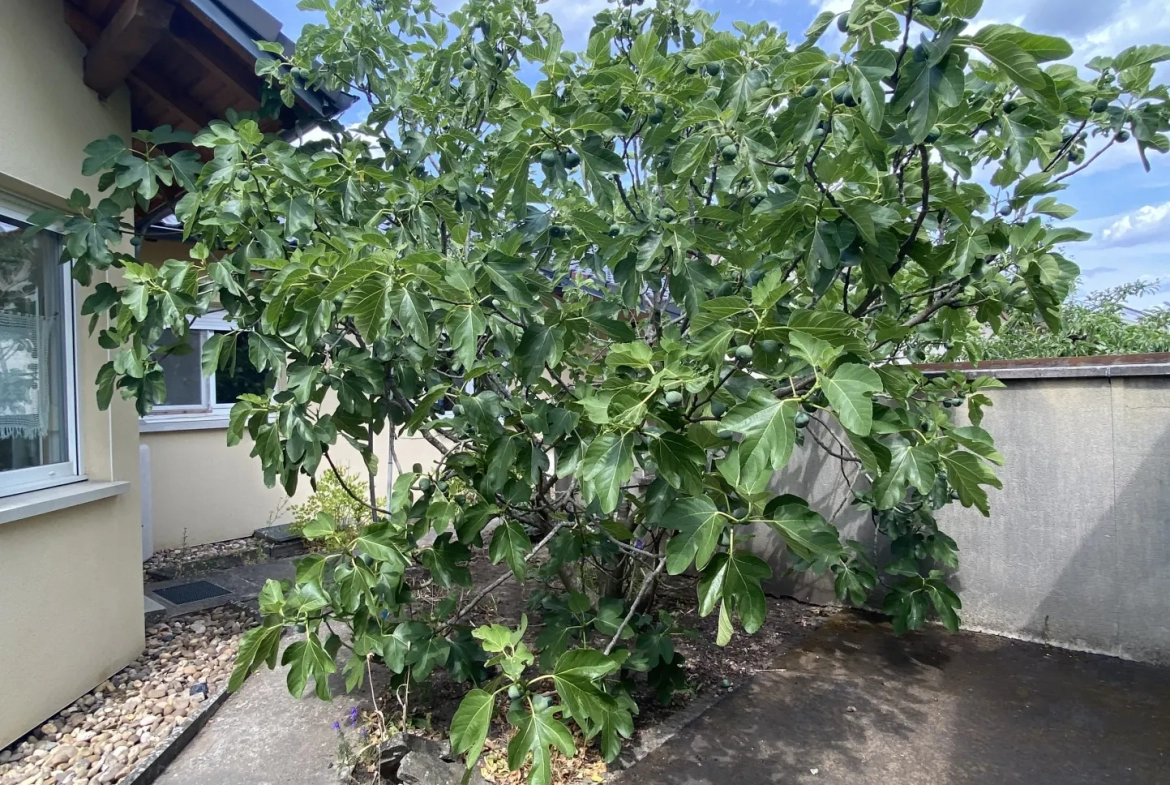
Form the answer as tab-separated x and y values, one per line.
1126	209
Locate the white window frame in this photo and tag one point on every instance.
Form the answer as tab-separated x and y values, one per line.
35	478
209	413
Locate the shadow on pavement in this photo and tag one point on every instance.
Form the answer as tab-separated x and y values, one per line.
854	704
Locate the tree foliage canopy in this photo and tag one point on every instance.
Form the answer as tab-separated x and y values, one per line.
619	290
1094	324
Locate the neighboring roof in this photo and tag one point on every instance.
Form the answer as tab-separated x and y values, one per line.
187	62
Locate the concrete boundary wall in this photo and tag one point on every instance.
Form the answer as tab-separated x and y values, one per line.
1076	551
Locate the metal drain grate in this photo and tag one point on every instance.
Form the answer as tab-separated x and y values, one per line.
187	593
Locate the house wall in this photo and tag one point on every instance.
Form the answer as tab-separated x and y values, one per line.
70	580
1076	549
204	491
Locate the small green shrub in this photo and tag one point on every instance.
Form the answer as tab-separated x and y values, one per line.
330	497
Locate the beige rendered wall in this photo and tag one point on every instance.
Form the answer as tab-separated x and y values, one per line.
1077	547
70	581
204	491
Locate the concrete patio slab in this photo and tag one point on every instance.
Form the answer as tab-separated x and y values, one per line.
243	583
854	704
264	736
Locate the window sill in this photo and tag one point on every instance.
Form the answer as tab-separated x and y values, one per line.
162	423
32	503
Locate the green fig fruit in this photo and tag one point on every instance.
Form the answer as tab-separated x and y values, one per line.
730	152
843	22
781	176
809	92
801	420
1122	136
1009	107
416	468
468	63
1100	105
666	215
724	141
1005	210
558	232
718	408
841	92
713	69
769	346
756	198
934	135
615	230
673	398
572	160
928	7
920	53
243	175
550	158
743	353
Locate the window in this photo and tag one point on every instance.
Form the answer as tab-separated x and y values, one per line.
38	421
188	392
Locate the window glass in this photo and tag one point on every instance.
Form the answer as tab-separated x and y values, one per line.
229	385
34	351
181	371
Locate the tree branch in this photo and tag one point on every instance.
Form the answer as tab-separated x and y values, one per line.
650	578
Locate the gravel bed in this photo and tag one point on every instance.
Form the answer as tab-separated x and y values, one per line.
176	558
102	736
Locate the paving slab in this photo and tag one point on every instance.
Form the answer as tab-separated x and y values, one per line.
855	704
264	736
242	582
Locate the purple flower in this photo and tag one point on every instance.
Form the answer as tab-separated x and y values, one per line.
638	543
353	715
362	733
337	726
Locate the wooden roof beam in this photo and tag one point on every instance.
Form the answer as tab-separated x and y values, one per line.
132	32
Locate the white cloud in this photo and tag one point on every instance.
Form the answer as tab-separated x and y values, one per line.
1147	224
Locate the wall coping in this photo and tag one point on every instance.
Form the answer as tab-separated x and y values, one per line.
1104	366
